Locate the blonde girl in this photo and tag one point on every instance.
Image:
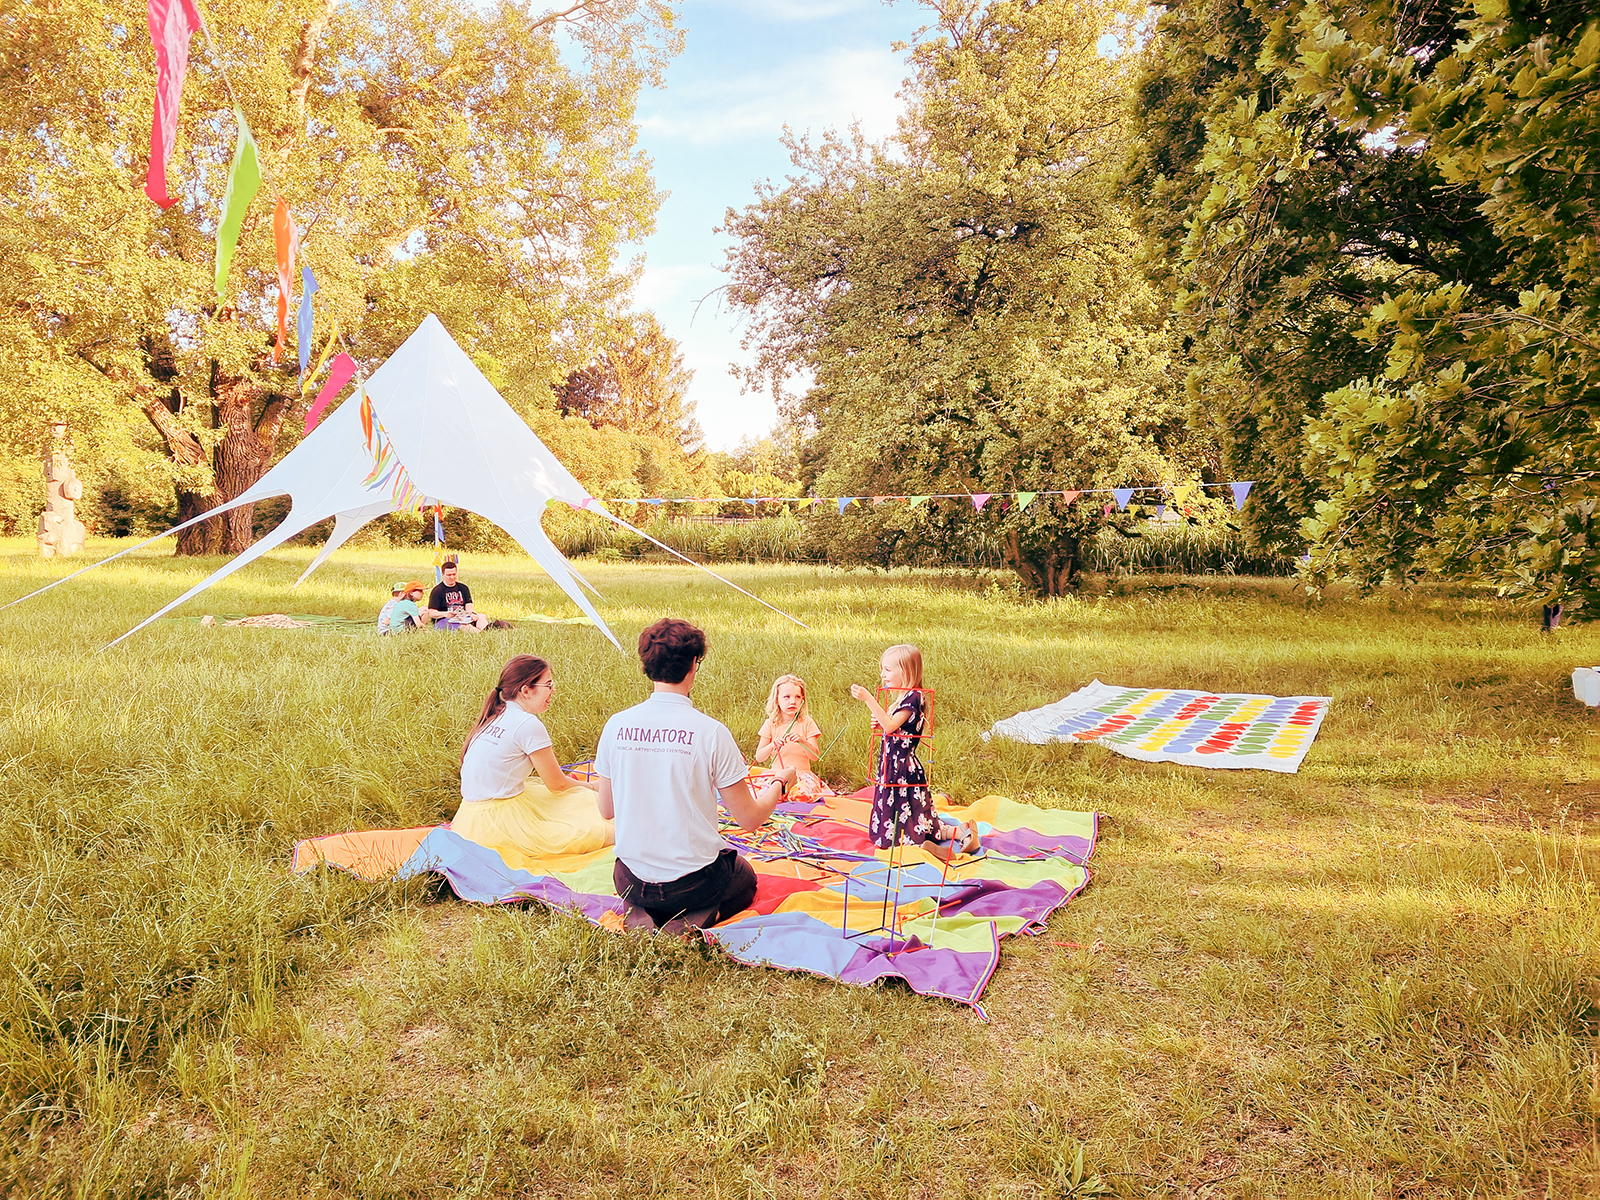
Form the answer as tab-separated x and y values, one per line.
790	737
902	805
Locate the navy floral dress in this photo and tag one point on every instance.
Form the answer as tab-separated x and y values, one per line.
900	798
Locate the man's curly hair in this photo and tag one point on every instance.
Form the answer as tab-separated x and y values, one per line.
668	648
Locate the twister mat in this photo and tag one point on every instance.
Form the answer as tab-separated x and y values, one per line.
1230	730
821	888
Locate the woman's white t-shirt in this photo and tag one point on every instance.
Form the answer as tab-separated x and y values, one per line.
497	762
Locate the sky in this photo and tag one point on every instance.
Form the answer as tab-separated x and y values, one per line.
749	67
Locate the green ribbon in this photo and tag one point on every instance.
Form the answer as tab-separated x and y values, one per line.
244	178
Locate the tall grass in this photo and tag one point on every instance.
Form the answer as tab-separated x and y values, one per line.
1373	978
1158	549
1182	549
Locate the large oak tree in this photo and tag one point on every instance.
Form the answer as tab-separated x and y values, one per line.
477	161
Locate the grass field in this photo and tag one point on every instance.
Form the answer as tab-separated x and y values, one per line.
1378	977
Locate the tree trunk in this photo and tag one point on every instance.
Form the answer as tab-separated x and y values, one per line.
240	458
1049	569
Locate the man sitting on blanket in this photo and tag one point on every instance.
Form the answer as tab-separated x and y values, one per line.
662	766
450	603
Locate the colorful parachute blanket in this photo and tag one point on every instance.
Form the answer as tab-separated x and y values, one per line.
1229	730
827	900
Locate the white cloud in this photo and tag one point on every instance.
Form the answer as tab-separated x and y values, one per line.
815	91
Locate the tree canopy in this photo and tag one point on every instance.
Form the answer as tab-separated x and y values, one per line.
474	161
964	296
1379	223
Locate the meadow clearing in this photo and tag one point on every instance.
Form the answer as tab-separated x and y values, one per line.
1378	977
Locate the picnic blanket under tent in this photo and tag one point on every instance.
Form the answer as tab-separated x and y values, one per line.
821	887
1227	730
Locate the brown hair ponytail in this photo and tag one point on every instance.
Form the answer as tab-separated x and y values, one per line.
517	674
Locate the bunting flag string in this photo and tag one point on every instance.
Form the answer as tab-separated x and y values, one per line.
1122	497
172	24
387	469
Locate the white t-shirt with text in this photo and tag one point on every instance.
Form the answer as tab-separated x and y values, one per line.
497	763
667	761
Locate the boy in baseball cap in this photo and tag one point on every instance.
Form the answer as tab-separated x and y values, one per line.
401	614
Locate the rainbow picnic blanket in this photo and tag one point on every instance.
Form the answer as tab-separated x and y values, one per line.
827	901
1228	730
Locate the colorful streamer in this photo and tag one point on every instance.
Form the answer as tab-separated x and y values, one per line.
244	179
172	24
305	320
344	368
286	246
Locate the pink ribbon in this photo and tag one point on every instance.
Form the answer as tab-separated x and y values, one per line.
172	23
339	374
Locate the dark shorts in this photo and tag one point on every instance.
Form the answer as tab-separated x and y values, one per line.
717	890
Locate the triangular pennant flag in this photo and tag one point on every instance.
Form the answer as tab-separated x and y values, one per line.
343	368
1240	491
979	499
286	245
172	24
1123	495
1181	493
653	500
304	322
244	178
1069	497
916	500
844	503
877	500
1161	511
1024	499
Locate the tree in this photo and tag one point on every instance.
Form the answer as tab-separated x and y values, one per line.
1380	224
439	157
965	296
638	383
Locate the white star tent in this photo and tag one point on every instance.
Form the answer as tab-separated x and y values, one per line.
457	439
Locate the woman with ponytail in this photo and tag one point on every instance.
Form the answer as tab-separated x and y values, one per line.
515	798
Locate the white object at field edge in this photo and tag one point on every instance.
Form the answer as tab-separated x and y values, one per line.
1586	685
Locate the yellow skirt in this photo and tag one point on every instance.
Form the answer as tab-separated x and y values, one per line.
536	823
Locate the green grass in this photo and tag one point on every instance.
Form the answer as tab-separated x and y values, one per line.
1375	978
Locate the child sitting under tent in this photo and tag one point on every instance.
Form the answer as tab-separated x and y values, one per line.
401	614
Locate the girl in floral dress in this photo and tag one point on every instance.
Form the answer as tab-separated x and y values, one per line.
901	801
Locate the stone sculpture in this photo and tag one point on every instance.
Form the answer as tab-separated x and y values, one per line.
60	532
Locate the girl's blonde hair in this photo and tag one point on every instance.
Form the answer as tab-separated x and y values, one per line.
909	660
772	696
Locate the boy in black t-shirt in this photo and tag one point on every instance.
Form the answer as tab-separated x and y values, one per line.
450	603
